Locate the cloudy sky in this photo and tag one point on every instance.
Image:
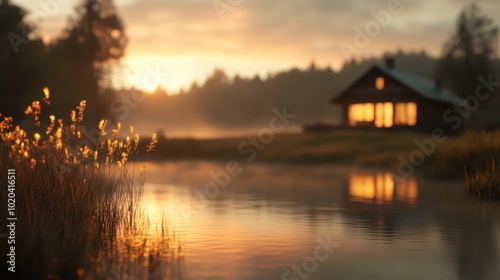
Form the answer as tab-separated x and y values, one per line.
178	41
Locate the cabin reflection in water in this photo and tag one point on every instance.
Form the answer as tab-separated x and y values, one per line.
381	188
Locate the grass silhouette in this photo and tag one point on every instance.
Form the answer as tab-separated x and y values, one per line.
78	202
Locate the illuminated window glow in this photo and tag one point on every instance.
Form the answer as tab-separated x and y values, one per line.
379	83
361	113
384	114
406	114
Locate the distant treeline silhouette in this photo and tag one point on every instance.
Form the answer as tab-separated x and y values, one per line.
79	65
75	66
232	103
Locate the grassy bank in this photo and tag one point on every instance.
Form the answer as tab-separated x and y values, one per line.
473	157
78	207
359	148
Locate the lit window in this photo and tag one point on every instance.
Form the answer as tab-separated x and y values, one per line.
406	114
380	83
361	113
384	114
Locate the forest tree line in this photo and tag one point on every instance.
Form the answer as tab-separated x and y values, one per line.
229	103
78	65
75	66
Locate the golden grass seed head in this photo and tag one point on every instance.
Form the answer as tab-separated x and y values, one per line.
6	123
117	129
102	124
151	145
59	133
46	92
36	138
86	151
28	110
102	132
58	144
46	95
35	109
81	109
50	127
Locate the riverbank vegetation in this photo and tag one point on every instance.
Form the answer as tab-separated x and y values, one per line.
77	201
472	157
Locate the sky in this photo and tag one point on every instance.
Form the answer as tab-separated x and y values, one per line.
175	42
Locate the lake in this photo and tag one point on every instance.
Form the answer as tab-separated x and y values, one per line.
321	222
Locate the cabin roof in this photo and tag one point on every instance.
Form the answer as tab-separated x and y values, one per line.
424	87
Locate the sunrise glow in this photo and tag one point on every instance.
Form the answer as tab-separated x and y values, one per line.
190	42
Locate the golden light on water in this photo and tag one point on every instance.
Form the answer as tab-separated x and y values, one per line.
381	188
387	181
361	187
407	190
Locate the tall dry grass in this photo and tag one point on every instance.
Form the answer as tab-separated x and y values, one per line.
78	202
474	158
484	183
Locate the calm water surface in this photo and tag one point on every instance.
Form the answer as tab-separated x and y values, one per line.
323	222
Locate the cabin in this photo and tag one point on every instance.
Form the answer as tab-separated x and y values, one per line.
387	98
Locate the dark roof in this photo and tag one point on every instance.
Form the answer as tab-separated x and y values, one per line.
424	87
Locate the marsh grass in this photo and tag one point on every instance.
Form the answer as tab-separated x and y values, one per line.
473	158
343	147
484	183
78	205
